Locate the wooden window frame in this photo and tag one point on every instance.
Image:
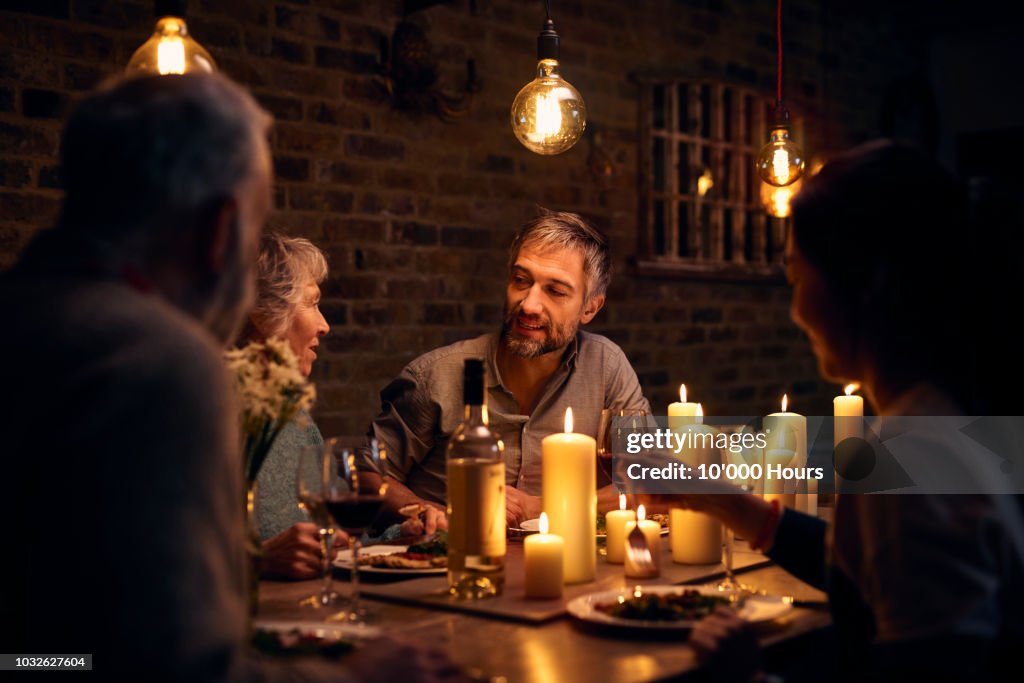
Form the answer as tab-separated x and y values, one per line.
753	248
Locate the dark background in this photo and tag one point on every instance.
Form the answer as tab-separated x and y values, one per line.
415	213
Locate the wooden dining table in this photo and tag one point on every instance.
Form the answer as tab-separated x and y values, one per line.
548	645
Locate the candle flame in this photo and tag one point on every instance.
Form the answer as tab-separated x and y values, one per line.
641	513
637	592
785	402
682	393
543	522
568	420
850	388
700	410
622	501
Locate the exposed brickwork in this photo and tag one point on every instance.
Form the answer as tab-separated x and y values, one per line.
415	213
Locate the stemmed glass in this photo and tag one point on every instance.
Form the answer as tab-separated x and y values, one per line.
313	471
729	585
354	494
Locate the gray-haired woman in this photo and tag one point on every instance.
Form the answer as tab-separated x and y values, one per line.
289	273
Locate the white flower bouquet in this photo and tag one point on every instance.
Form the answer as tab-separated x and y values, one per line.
271	391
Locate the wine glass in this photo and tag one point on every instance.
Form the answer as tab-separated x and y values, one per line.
313	471
734	468
354	494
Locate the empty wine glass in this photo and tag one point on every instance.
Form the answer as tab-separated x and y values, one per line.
736	470
314	468
354	494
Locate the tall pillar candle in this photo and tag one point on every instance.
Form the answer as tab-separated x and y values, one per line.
696	538
615	530
569	494
780	422
779	453
849	418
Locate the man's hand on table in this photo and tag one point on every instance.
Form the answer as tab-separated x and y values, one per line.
295	553
520	507
430	520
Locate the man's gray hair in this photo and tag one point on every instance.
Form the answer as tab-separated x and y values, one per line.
285	267
563	230
141	152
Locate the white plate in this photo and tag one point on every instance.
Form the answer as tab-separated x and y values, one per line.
756	609
320	629
533	525
343	560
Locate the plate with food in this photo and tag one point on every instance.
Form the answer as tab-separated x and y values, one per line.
533	525
301	638
668	607
426	557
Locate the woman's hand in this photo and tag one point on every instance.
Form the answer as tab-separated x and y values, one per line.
727	647
295	553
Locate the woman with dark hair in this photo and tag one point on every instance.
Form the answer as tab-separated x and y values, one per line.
881	282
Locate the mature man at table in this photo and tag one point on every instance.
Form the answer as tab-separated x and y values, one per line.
539	364
122	488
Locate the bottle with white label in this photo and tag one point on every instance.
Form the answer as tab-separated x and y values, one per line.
476	497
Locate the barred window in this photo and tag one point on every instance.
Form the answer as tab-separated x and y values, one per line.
702	211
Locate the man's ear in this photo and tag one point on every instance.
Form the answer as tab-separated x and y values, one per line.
591	308
221	232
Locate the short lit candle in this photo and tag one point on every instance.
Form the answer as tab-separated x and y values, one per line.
569	495
543	558
780	422
780	453
652	532
615	530
682	412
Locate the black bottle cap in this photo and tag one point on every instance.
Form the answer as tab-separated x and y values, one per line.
473	382
169	8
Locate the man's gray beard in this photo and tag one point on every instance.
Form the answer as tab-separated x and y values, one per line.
534	348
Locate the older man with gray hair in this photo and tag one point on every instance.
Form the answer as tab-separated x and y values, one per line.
539	364
123	485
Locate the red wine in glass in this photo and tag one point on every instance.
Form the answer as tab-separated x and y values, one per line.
354	513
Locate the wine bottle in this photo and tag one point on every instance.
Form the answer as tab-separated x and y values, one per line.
476	497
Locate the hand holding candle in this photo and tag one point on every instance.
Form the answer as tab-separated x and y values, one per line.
615	530
543	558
652	533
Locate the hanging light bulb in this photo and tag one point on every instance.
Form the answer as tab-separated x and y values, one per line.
548	114
780	162
170	50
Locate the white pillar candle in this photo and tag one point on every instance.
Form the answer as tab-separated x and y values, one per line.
569	496
681	413
780	453
543	555
652	532
780	422
849	418
615	530
695	537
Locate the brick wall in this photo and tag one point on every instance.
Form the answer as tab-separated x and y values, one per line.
415	213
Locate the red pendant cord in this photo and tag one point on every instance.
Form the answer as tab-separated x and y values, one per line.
778	38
